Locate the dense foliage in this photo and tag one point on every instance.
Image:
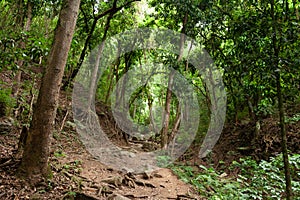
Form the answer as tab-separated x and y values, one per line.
254	44
263	180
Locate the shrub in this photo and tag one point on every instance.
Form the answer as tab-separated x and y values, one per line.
6	102
263	180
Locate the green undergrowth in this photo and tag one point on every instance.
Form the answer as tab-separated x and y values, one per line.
255	180
6	101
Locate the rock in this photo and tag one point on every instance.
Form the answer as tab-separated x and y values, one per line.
118	197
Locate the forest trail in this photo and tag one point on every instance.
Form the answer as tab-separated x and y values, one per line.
103	182
77	175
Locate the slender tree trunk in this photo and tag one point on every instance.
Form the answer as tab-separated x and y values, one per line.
20	15
296	9
175	127
82	55
121	100
151	119
94	80
166	118
177	121
250	108
34	164
152	125
29	16
17	78
110	80
111	12
165	128
276	48
116	72
287	170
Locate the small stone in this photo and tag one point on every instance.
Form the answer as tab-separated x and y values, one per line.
118	197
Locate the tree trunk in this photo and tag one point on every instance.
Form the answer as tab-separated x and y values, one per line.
153	127
82	55
29	16
276	48
20	15
283	139
127	59
165	128
95	77
175	128
34	164
166	117
116	72
111	12
296	9
17	78
110	79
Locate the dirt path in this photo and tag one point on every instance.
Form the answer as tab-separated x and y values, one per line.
161	184
77	175
102	182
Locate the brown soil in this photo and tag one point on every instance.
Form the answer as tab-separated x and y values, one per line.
239	140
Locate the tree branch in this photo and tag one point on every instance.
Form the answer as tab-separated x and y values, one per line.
114	9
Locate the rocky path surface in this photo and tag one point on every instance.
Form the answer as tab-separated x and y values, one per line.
77	175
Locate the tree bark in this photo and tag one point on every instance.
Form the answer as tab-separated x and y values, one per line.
175	127
276	48
127	59
166	117
296	9
166	120
287	170
34	164
20	13
110	79
17	78
153	127
94	80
